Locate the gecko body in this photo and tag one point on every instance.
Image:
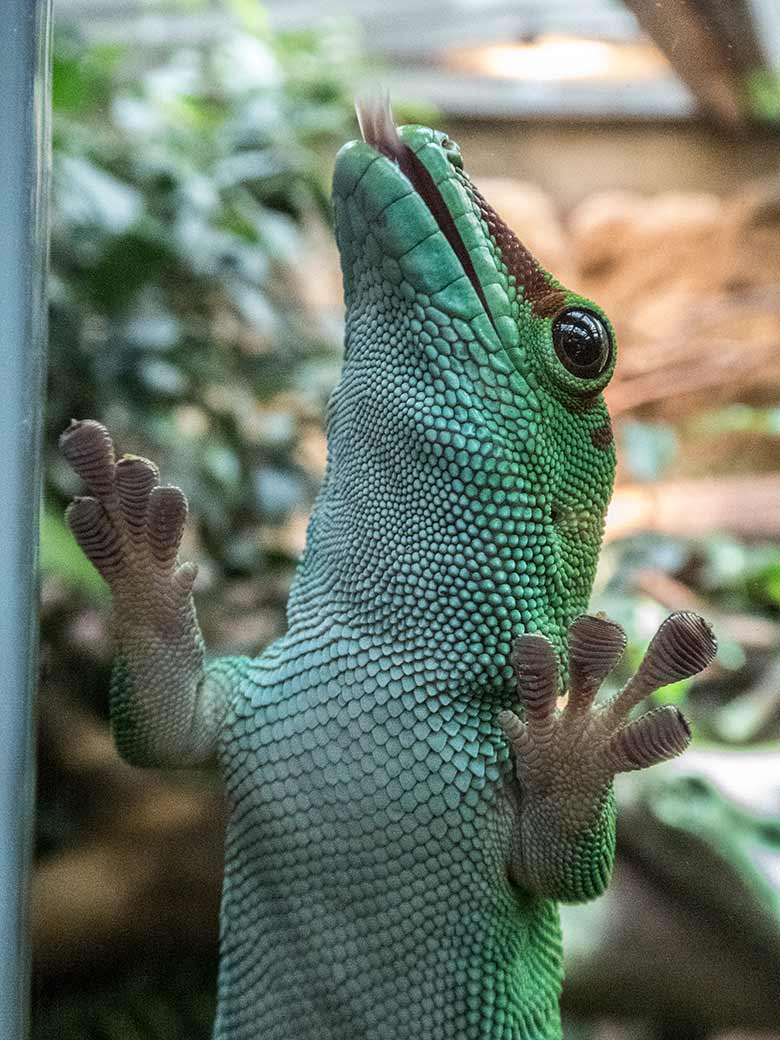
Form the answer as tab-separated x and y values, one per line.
407	803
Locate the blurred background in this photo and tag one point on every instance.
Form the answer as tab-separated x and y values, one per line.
196	310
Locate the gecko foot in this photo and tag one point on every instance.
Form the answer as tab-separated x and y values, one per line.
129	528
682	646
565	759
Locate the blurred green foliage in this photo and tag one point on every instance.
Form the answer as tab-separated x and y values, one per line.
763	88
183	185
180	187
176	1003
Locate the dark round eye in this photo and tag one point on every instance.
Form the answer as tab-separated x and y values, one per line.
582	342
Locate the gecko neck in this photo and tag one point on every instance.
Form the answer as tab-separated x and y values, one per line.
418	566
450	520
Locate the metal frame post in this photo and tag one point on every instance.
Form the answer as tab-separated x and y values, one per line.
24	171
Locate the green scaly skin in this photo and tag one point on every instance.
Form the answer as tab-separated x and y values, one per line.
398	837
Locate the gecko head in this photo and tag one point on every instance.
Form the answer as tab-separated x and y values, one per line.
407	212
471	391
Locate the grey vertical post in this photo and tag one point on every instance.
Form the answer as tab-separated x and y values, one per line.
24	164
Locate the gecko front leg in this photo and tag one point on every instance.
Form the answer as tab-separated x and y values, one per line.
166	706
565	760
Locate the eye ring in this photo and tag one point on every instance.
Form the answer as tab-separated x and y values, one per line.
583	342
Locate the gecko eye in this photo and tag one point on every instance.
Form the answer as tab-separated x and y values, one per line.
582	342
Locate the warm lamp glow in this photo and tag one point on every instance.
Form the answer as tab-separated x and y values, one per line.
631	510
551	58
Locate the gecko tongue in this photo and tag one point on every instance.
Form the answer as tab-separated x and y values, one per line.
377	125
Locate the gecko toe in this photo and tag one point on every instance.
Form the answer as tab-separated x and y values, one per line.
96	535
135	479
166	518
89	450
655	737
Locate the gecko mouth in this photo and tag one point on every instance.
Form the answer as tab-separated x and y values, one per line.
377	127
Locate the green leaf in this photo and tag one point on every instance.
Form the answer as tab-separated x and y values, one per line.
81	80
250	15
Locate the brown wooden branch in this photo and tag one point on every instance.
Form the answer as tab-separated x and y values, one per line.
750	631
660	959
743	506
696	365
687	33
685	936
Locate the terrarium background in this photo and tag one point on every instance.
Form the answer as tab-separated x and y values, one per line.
196	310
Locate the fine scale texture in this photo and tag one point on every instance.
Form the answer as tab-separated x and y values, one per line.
407	803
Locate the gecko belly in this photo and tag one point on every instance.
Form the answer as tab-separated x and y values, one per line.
366	893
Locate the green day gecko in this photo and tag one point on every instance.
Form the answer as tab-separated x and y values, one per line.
407	802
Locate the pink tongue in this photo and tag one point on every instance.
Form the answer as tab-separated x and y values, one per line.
377	126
